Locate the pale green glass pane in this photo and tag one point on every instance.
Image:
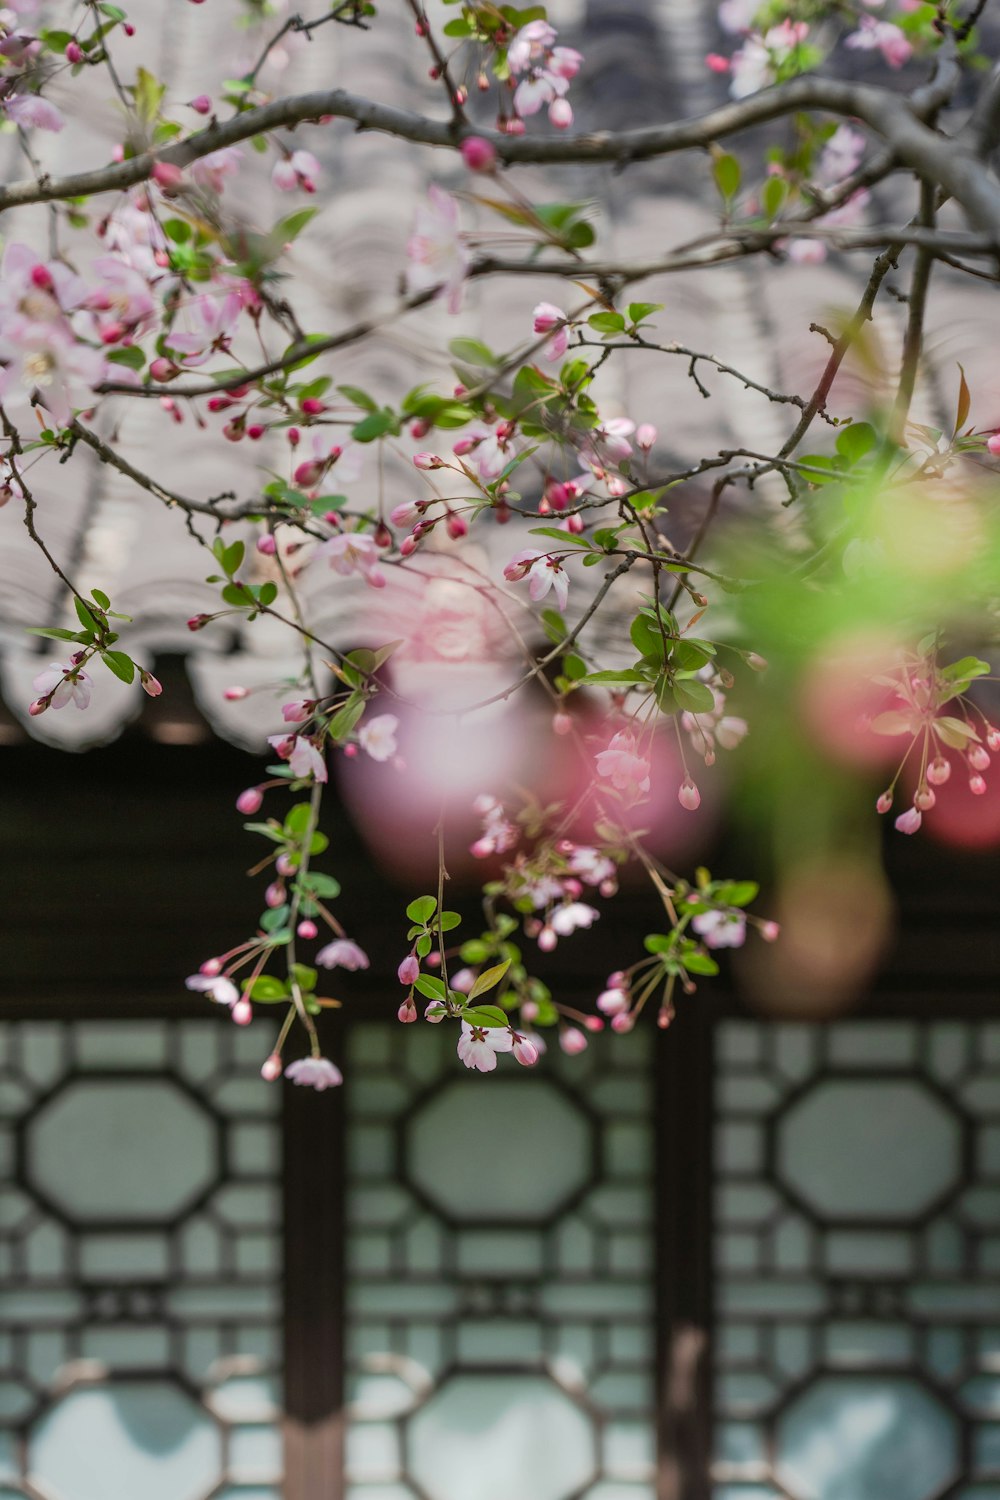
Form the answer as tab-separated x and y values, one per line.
259	1341
162	1145
379	1492
244	1492
378	1205
7	1493
497	1341
988	1255
573	1348
745	1094
745	1492
255	1453
989	1042
381	1397
737	1252
118	1441
129	1257
799	1296
246	1096
9	1466
793	1349
856	1253
945	1351
246	1398
424	1245
868	1343
978	1492
626	1391
739	1043
981	1207
124	1347
951	1299
371	1150
619	1206
45	1354
981	1395
739	1148
630	1254
378	1094
426	1053
861	1438
746	1203
950	1050
369	1044
201	1247
982	1095
428	1345
988	1346
740	1444
745	1392
792	1244
986	1448
872	1044
796	1050
362	1339
988	1150
6	1154
575	1245
121	1044
372	1451
15	1096
223	1301
944	1247
41	1305
595	1298
869	1148
403	1299
500	1252
629	1450
369	1254
46	1251
616	1490
198	1049
494	1437
627	1149
247	1207
15	1208
534	1121
258	1254
633	1343
16	1400
254	1150
42	1052
200	1348
622	1096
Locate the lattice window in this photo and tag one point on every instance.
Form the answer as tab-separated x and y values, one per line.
857	1256
139	1261
500	1300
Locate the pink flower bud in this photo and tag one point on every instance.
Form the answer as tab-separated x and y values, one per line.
309	473
529	1011
408	546
242	1012
993	444
924	798
525	1052
38	707
74	52
561	723
547	939
270	1068
202	105
688	795
434	1012
407	1012
409	970
572	1040
457	527
427	461
235	694
884	802
275	894
163	369
249	802
312	406
307	930
211	967
561	114
716	63
939	770
198	622
266	545
645	436
294	437
909	821
756	662
977	785
623	1022
256	431
478	154
167	176
150	684
573	524
594	1023
770	931
993	739
978	758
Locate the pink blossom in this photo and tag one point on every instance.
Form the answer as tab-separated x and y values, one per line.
543	572
438	257
894	45
317	1073
409	970
342	953
573	1041
721	929
43	361
377	736
353	552
561	114
123	296
613	1002
590	865
530	45
212	170
627	771
300	170
30	111
301	754
688	795
525	1051
551	319
297	712
217	987
478	154
205	323
478	1045
250	801
738	15
62	685
909	821
645	436
572	915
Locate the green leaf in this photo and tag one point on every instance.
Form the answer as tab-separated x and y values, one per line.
431	986
322	885
565	538
646	639
267	988
489	978
424	944
291	227
485	1015
607	323
304	976
101	598
699	963
855	441
472	352
359	397
966	669
132	356
123	666
638	311
298	820
774	196
738	892
268	830
964	400
628	674
346	717
375	425
574	667
268	593
658	942
475	951
448	920
697	697
422	909
54	632
86	619
727	173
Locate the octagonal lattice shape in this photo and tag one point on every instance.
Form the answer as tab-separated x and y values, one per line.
871	1149
496	1437
497	1150
120	1151
126	1440
852	1437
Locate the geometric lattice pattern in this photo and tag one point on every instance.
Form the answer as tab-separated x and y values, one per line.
500	1294
857	1261
139	1263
